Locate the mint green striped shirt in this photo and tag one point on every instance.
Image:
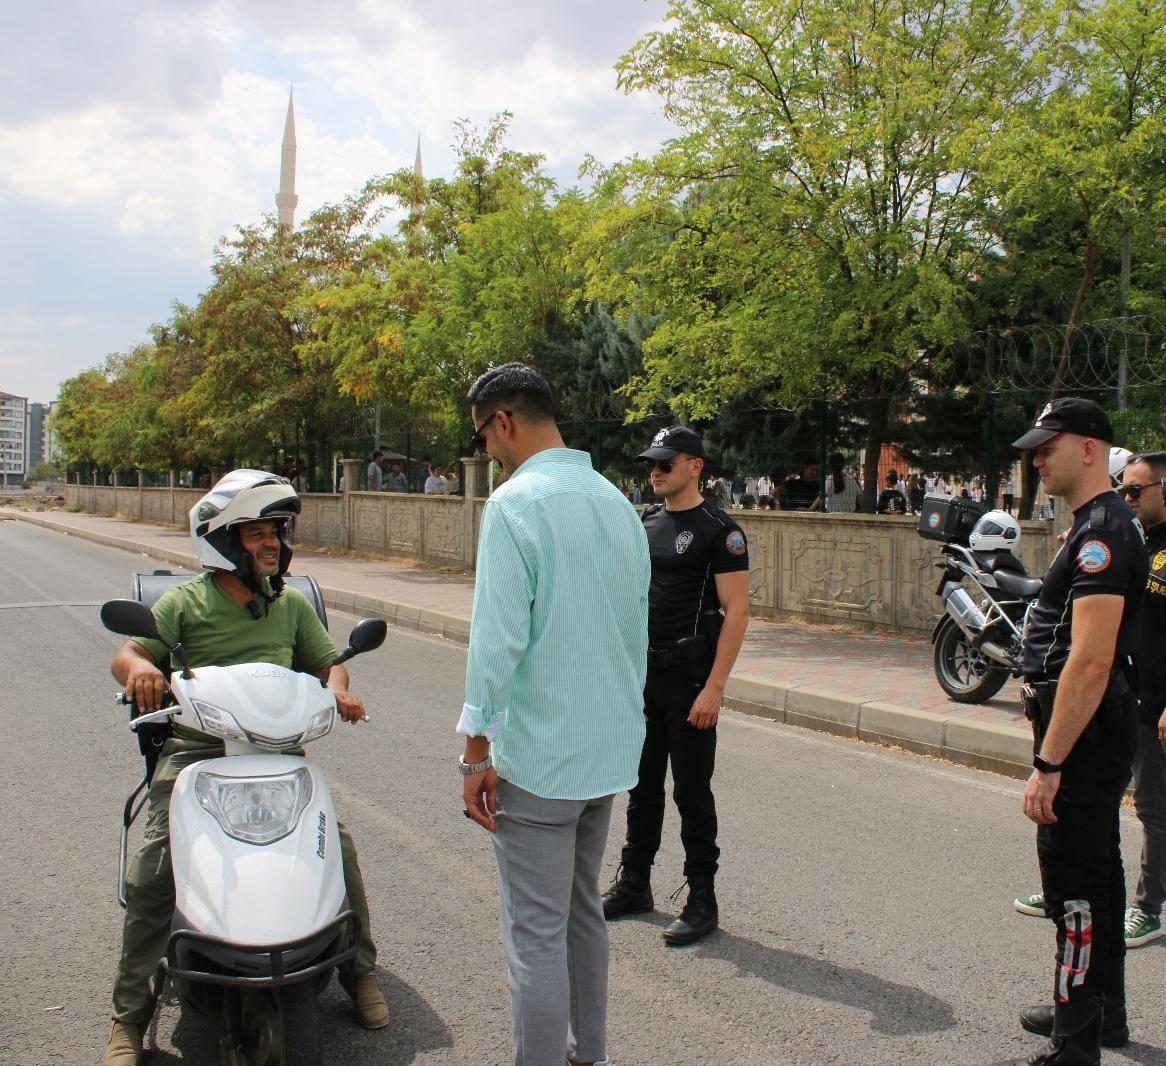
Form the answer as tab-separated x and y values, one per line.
559	633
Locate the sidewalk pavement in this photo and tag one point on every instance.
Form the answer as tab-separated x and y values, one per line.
872	686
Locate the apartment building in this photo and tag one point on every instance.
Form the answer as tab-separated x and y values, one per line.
13	439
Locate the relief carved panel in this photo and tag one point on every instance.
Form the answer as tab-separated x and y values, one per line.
368	524
404	527
762	537
836	572
444	529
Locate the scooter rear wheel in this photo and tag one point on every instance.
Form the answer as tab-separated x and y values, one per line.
962	670
278	1027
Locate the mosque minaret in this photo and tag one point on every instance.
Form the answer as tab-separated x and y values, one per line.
286	199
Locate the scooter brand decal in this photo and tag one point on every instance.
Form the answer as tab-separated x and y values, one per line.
266	671
933	519
321	826
683	540
1094	556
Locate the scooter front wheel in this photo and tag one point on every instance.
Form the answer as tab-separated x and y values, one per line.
964	672
277	1027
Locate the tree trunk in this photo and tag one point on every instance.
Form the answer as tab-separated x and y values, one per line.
876	434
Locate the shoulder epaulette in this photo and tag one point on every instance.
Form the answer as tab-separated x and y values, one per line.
654	509
1098	515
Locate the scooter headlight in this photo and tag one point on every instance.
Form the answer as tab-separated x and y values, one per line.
256	810
217	721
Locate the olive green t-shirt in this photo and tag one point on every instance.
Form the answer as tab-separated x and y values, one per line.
217	631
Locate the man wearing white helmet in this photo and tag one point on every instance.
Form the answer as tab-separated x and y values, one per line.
237	611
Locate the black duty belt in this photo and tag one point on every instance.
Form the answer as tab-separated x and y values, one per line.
663	657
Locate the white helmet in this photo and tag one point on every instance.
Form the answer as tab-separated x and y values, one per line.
994	531
1118	457
240	497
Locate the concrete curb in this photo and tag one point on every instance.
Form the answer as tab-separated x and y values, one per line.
983	745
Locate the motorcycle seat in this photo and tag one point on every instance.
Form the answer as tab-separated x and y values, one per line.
1002	561
1016	585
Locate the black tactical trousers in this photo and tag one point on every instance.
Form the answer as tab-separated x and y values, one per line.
1081	867
668	698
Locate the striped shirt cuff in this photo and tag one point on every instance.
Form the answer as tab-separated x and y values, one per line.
468	726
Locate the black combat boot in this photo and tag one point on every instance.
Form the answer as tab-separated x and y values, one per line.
630	893
699	917
1114	1030
1082	1048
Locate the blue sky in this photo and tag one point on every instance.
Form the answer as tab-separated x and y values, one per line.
133	135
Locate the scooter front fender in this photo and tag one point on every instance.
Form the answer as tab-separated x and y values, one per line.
250	893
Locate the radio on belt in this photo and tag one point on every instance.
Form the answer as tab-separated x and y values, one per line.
948	518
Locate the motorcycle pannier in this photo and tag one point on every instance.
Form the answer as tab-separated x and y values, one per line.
948	518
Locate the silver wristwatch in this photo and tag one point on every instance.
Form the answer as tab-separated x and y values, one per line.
468	768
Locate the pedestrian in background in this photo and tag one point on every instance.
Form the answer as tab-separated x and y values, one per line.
1006	494
842	489
396	481
700	568
436	484
891	500
1076	662
553	716
374	471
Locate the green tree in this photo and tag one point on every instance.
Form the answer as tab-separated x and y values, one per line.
811	232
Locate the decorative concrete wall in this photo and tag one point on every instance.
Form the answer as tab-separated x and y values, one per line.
844	568
854	568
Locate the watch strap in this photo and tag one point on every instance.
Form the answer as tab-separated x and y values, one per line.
468	768
1046	767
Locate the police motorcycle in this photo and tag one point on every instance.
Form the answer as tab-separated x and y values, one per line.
986	594
260	917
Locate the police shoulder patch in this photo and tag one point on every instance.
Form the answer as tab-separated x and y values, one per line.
735	542
1094	556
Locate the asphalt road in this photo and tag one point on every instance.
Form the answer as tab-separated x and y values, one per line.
865	894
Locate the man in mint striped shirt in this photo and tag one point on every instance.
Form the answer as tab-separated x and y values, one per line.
553	717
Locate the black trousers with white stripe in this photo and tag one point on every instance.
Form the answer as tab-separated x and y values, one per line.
1081	867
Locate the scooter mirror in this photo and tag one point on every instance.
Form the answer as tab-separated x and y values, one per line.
129	618
368	634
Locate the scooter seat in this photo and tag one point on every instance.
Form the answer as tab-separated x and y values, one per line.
1016	585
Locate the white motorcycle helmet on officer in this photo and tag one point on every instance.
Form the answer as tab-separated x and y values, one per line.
994	531
240	497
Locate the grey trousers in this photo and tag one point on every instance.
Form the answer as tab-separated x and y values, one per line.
549	853
1150	803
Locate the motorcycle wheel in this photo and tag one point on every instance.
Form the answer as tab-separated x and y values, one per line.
962	670
279	1027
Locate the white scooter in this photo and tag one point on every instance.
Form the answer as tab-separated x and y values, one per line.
260	915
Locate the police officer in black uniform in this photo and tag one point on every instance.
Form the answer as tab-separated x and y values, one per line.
698	610
1079	694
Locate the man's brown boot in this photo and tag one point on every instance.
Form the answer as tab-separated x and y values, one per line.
371	1009
125	1044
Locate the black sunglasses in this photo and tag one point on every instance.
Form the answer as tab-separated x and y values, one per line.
665	465
478	441
1134	492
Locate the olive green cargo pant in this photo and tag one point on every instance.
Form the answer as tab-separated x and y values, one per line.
150	891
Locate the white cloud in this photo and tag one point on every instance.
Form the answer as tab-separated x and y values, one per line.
157	128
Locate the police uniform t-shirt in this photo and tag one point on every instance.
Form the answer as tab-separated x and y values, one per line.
688	549
1104	554
1150	658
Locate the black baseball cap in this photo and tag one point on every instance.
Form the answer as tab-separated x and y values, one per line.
1070	415
672	441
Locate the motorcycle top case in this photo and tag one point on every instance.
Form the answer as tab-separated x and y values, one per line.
948	518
